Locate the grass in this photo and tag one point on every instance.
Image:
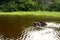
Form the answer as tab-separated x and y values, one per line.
37	13
13	22
30	13
53	16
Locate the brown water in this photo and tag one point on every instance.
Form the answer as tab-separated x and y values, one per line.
13	25
21	28
50	32
40	34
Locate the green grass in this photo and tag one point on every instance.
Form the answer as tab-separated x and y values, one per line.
37	13
13	22
43	14
31	13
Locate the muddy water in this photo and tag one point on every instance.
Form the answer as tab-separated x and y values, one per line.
13	25
22	29
50	32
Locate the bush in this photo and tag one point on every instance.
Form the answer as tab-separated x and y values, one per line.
7	7
27	5
54	7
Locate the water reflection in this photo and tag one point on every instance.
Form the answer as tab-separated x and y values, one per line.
52	24
49	32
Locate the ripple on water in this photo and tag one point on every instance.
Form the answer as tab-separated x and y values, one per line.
53	24
32	33
40	33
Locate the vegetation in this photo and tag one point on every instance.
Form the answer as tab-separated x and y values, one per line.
38	15
29	5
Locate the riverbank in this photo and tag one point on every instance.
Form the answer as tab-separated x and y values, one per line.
34	15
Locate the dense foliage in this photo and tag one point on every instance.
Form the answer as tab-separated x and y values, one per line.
29	5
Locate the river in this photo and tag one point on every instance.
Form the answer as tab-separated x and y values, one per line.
50	32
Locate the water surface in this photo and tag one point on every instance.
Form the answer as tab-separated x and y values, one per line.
50	32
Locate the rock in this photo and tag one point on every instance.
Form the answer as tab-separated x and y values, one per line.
37	24
43	23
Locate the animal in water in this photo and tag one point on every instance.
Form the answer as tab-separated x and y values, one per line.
37	24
